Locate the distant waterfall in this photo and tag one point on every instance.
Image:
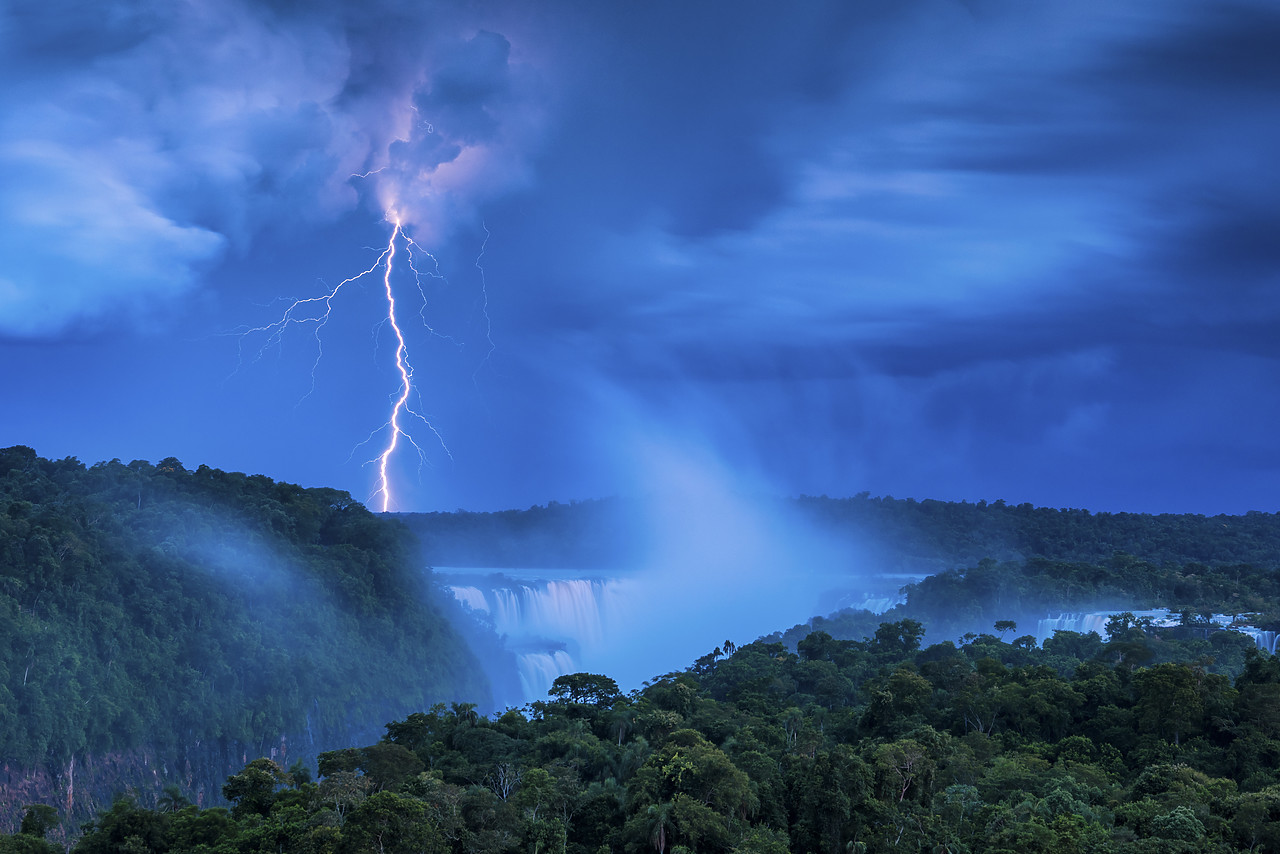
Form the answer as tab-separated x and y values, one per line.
880	604
555	626
634	624
1266	640
1097	622
1081	623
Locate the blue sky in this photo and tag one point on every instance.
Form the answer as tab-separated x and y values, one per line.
959	250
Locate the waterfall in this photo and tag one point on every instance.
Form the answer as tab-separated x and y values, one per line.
1265	640
472	597
539	669
631	626
1081	623
554	626
880	604
1096	621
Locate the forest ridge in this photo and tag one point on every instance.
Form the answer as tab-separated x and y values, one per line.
895	535
170	617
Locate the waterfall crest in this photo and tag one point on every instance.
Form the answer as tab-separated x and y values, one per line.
554	626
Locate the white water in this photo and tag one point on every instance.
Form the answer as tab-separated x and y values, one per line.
539	669
1096	621
1265	640
559	622
880	604
554	625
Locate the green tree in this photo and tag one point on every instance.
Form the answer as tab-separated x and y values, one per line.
899	637
124	827
252	791
389	823
904	768
38	820
688	764
388	765
1180	824
659	824
171	799
1169	700
589	688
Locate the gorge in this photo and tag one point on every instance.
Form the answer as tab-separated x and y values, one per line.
563	621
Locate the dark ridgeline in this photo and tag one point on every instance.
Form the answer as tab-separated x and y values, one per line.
899	535
595	534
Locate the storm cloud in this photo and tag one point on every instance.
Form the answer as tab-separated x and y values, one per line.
931	248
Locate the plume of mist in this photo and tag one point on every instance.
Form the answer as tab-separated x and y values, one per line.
719	558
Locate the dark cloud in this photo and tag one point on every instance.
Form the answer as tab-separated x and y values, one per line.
81	32
160	136
458	107
982	249
1224	48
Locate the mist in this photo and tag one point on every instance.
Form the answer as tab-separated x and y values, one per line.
716	556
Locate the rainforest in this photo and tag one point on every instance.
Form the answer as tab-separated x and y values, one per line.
205	661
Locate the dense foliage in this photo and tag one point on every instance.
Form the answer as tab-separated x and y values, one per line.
950	603
848	746
933	536
151	605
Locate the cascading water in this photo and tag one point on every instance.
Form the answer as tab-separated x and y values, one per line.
554	626
539	669
1097	622
1080	623
1265	640
879	604
620	624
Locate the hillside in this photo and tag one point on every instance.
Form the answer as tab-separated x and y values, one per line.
846	747
158	625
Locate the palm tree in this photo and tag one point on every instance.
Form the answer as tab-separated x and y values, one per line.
172	799
621	719
465	712
659	820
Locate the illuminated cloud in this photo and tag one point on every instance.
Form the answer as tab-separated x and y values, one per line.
140	144
958	249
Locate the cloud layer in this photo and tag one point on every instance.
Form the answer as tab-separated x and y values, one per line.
977	249
143	142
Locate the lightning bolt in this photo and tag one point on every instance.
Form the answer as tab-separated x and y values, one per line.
484	302
315	312
401	406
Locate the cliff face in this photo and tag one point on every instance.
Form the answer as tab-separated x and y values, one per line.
89	783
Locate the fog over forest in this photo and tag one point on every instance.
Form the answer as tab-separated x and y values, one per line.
836	427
